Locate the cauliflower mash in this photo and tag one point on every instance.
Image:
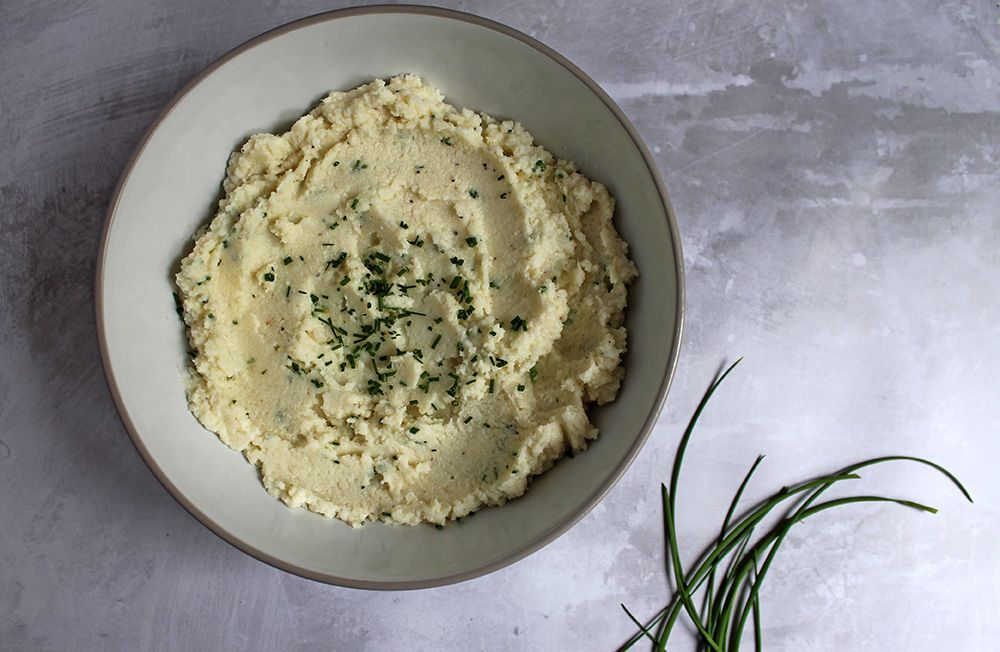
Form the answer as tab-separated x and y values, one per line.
402	310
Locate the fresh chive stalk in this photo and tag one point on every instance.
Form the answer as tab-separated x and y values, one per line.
732	569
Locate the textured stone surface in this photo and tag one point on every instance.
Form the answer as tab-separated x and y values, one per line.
834	167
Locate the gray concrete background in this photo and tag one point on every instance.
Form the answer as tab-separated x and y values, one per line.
834	167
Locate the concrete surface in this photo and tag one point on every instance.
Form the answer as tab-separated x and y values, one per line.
834	167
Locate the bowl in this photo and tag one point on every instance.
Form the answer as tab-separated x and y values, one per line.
170	187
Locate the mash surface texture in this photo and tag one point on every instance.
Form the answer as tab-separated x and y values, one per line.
402	310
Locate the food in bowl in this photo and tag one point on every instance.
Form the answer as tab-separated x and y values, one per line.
402	310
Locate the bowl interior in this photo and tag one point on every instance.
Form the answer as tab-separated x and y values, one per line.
172	188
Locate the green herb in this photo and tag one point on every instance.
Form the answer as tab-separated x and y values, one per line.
520	388
467	419
416	242
336	262
729	604
345	280
490	388
287	260
447	141
425	384
414	430
453	390
539	166
354	203
269	277
316	383
178	306
517	324
472	242
435	342
404	225
503	195
358	165
473	193
533	373
336	163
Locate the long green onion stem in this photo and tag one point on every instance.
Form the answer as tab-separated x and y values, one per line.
732	570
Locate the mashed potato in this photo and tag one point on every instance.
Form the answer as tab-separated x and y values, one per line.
402	310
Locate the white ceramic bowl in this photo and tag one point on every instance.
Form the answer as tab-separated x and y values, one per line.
171	186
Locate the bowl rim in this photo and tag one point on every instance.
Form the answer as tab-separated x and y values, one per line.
554	531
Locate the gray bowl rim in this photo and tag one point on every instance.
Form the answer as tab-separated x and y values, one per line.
557	529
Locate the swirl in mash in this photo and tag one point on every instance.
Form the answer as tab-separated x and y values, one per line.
402	310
